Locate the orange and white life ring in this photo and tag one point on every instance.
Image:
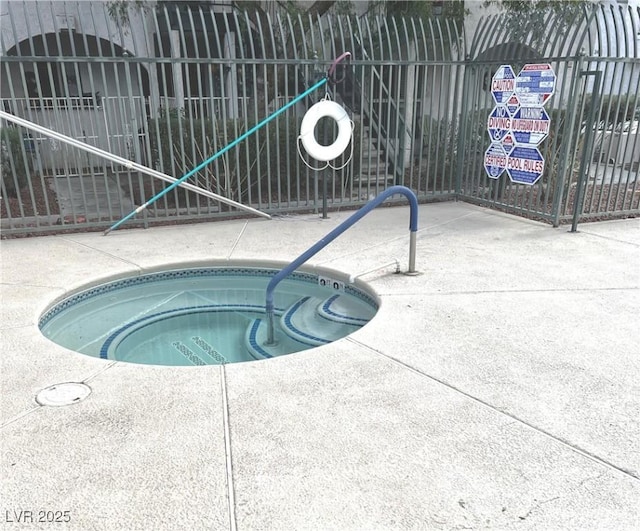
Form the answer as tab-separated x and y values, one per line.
322	109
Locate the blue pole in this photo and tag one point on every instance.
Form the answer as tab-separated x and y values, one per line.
354	218
216	155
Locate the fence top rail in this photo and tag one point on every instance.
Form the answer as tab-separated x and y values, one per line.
87	31
598	30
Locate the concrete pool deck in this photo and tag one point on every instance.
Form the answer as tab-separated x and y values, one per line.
500	389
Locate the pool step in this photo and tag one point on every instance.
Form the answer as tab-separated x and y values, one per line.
310	322
346	310
256	339
304	322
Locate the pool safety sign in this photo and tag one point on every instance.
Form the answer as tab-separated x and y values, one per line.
503	84
508	143
535	84
530	125
525	165
512	104
519	123
495	160
499	123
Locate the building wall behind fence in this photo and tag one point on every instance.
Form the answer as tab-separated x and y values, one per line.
176	85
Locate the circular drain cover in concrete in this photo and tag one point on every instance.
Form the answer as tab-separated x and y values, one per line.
63	394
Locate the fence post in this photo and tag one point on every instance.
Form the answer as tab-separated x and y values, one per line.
587	150
462	128
574	91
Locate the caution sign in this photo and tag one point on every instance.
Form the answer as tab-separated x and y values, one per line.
503	84
525	165
530	125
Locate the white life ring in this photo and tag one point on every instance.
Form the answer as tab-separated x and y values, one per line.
307	130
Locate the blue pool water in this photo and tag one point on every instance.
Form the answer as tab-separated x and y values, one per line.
206	316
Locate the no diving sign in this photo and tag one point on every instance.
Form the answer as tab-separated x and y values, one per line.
499	123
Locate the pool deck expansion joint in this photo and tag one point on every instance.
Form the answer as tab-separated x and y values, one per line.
227	450
568	444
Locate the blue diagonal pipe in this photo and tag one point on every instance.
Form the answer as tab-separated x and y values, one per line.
285	272
218	154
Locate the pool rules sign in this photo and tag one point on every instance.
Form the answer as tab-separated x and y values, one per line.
518	123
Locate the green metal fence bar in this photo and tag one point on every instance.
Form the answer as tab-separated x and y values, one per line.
582	172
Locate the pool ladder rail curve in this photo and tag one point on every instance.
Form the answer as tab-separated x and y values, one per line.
309	322
321	244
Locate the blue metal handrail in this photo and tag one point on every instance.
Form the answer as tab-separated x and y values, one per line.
413	228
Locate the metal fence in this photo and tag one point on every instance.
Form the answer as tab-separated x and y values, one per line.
592	152
176	84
